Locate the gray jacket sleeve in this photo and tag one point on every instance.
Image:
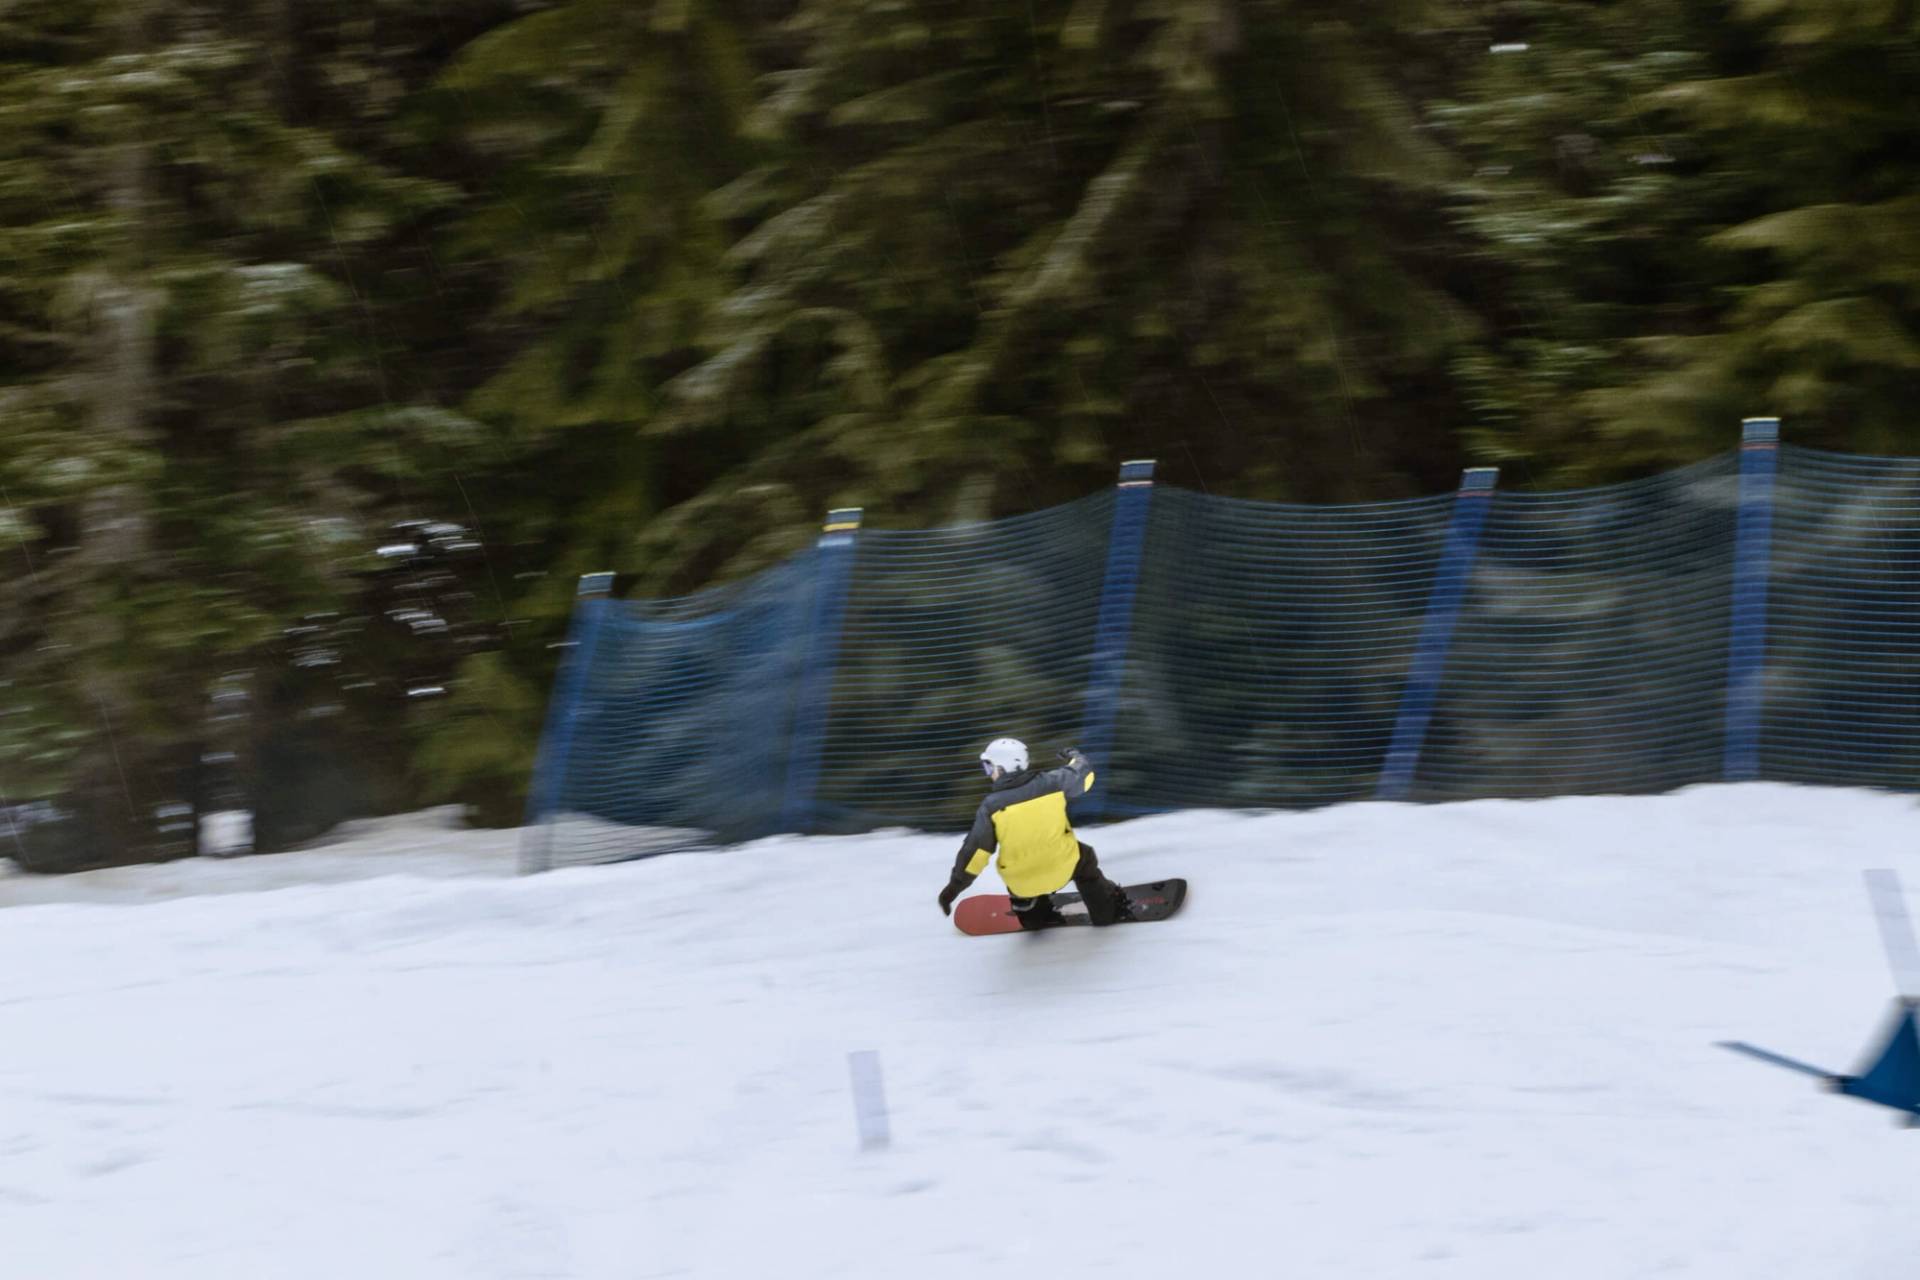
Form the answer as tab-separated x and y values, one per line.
978	847
1075	778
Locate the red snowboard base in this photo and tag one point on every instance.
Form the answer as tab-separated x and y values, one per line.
986	913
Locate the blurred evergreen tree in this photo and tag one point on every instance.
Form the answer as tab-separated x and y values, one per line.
1686	213
1584	204
996	248
601	127
218	381
1809	115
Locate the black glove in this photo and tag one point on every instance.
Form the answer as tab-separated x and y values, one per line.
955	887
1069	753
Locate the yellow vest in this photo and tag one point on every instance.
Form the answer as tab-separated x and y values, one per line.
1028	822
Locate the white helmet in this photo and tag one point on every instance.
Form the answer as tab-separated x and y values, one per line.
1004	755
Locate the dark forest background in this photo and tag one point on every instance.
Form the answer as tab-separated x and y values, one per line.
337	340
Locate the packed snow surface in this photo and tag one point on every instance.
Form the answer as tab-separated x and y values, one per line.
1472	1040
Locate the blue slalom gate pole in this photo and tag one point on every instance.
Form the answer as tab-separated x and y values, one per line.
1126	544
563	710
1422	690
814	690
1747	632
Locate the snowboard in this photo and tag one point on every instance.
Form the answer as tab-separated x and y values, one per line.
986	913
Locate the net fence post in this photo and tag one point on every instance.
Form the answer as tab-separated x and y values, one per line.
1450	576
813	692
556	739
1747	625
1126	543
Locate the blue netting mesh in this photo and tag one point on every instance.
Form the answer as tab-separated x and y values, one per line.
1590	655
1841	700
1269	646
1261	657
954	636
679	724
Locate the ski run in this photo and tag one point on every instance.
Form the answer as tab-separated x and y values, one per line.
1470	1040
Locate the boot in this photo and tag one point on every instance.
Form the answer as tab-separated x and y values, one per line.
1035	913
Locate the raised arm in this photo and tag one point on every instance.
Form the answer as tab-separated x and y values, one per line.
1075	778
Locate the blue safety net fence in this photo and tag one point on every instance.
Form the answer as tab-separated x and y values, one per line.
1269	646
952	637
1841	693
1214	652
1591	650
670	721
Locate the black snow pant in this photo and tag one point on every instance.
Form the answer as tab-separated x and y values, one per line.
1106	901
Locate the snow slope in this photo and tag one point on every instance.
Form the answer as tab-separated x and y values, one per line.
1381	1041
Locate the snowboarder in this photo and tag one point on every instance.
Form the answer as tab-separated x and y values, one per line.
1024	816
